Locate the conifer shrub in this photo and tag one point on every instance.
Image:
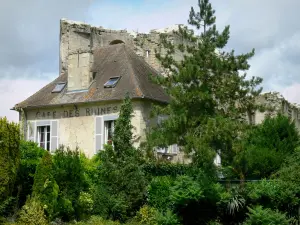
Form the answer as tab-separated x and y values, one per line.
31	156
9	162
45	188
69	174
32	213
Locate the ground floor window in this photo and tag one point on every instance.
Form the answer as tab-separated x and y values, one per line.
108	131
43	137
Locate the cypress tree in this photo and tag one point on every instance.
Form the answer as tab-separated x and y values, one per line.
45	188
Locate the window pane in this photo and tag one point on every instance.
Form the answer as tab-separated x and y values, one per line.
48	145
59	87
112	81
42	134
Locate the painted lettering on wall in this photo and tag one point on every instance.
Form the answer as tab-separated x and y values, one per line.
91	111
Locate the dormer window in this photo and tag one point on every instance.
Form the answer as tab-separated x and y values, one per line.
59	87
112	82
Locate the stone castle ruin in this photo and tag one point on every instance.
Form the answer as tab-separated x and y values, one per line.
79	40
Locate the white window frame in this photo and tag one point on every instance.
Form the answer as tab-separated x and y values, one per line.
40	123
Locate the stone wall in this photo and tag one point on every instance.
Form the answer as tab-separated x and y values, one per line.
79	40
275	104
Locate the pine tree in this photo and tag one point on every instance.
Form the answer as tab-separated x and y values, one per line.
210	98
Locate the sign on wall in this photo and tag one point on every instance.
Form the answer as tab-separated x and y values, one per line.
76	112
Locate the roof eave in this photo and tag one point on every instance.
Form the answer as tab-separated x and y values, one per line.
76	103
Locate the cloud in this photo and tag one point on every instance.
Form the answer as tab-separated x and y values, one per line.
29	40
13	92
30	32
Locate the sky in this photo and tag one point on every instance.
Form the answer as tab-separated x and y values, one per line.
29	39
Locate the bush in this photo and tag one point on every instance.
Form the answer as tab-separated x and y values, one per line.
268	144
147	216
167	218
32	213
195	200
9	160
45	187
159	192
260	216
154	169
31	156
70	176
150	216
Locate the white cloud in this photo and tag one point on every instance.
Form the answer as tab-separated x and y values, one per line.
15	91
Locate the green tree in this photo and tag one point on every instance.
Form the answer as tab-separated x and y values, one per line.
266	146
121	187
9	161
31	156
261	216
45	188
209	97
69	174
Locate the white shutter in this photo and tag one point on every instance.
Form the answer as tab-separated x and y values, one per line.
31	131
53	136
99	133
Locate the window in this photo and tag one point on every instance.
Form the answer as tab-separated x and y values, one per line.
112	82
59	87
108	131
44	137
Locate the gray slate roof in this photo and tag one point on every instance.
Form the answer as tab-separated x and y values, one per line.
110	61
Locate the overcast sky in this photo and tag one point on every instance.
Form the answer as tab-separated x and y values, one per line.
29	39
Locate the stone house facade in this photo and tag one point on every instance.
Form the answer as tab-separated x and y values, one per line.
98	67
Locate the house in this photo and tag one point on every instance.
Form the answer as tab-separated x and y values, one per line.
79	107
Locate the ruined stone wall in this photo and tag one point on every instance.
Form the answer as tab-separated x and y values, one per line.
79	40
277	104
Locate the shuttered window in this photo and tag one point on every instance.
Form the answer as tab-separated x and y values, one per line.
44	133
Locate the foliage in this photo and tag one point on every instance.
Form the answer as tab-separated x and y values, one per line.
267	145
45	187
9	160
150	216
167	218
146	215
32	213
156	168
159	192
260	216
31	156
232	206
209	97
71	178
194	200
121	187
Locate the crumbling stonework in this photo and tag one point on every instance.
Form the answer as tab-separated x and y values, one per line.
79	40
276	103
